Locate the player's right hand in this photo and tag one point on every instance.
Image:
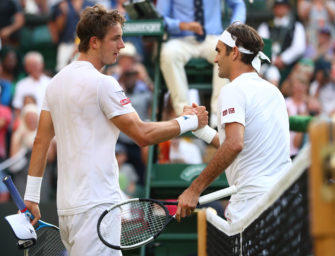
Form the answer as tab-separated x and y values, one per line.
35	211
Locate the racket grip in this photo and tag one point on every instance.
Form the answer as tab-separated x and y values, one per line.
217	195
14	193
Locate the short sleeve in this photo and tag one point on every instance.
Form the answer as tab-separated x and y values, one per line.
112	98
232	105
45	104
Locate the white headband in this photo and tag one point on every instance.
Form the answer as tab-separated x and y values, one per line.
227	39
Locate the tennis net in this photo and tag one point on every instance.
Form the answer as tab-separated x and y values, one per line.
278	225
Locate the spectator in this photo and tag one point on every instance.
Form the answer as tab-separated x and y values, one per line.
127	174
297	105
303	68
35	7
184	151
323	87
11	20
64	18
9	66
128	62
316	15
34	84
288	39
5	121
6	91
192	38
324	47
23	138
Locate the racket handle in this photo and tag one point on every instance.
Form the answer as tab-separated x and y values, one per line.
14	193
217	195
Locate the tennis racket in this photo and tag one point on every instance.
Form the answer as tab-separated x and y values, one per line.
48	236
136	222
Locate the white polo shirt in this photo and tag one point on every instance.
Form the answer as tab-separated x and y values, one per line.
260	107
81	101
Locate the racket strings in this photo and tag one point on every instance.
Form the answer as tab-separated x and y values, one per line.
138	221
48	243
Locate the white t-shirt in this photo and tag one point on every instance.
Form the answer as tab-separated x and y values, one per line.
81	101
260	108
30	87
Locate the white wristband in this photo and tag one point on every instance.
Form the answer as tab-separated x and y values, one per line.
205	133
187	123
33	189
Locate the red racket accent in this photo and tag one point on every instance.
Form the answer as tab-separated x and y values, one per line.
171	208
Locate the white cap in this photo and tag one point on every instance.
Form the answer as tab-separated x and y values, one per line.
23	230
128	50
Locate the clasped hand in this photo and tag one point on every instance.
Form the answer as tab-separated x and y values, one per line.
200	111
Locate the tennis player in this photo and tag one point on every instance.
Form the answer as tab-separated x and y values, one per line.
253	131
86	111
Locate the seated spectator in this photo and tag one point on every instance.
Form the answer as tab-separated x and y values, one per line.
11	20
128	61
193	33
288	38
34	84
303	68
5	121
23	138
183	150
6	91
35	7
323	87
323	49
297	105
64	18
9	66
316	15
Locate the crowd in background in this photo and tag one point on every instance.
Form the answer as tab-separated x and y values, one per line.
302	42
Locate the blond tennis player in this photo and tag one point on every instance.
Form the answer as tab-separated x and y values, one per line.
86	110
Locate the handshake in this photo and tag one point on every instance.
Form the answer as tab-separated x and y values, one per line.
202	130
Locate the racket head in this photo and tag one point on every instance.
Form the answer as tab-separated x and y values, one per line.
48	242
133	223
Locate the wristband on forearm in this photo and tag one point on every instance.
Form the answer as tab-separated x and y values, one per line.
205	133
187	123
33	189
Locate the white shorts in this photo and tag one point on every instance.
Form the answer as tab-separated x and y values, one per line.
79	233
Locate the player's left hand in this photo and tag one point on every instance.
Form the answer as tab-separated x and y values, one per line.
187	202
202	114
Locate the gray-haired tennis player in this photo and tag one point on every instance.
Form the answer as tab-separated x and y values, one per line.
253	138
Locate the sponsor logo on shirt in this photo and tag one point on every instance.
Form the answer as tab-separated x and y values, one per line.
228	111
125	101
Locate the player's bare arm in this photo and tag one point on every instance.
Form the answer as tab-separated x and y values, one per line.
148	133
224	156
44	135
